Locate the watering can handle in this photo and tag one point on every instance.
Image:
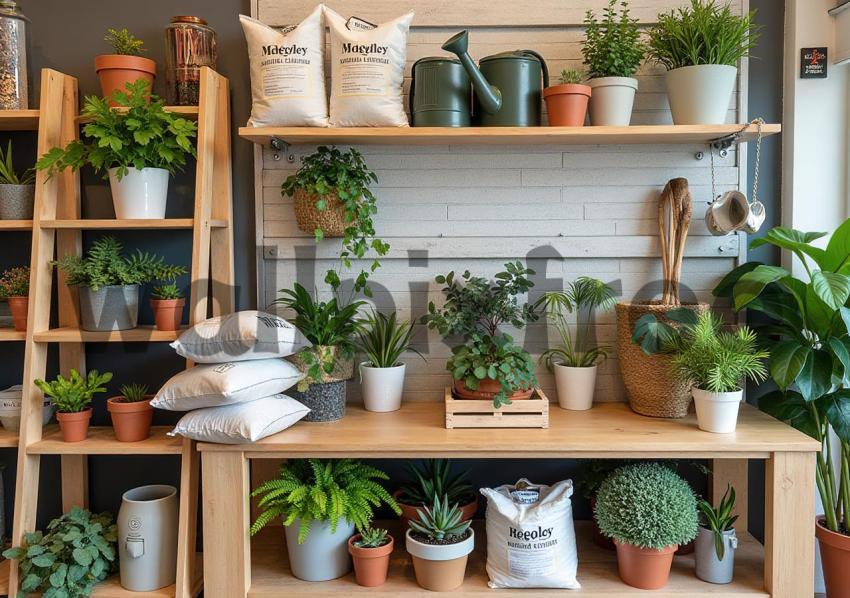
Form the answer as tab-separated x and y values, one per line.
411	91
543	67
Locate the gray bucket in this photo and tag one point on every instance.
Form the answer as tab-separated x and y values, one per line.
147	538
16	202
110	308
708	567
326	401
323	555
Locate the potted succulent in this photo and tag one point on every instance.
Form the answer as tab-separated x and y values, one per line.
17	191
321	501
139	148
612	52
700	46
131	413
566	103
383	339
167	303
434	478
716	541
439	544
370	550
14	288
488	365
574	361
72	399
648	510
109	282
125	64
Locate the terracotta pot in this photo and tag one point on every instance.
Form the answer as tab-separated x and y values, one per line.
74	426
132	421
167	313
835	557
116	70
439	568
370	564
408	512
566	104
487	389
644	568
19	306
601	541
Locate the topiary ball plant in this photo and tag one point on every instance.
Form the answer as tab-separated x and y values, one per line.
647	505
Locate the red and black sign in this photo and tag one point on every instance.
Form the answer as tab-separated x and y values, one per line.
813	63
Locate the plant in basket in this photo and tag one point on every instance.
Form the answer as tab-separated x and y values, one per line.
72	399
125	65
15	289
370	550
131	413
434	478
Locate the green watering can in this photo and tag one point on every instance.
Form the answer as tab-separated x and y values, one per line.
440	93
508	86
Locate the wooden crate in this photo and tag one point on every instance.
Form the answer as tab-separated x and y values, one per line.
466	413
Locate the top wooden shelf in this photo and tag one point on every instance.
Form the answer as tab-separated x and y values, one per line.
643	134
19	120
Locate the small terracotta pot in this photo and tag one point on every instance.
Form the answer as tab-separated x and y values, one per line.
487	389
370	564
19	306
116	70
408	512
74	426
644	568
835	558
167	313
566	104
132	421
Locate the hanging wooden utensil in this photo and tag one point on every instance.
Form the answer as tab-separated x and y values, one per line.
674	218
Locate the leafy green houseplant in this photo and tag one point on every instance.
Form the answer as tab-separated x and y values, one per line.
72	398
77	552
432	478
131	412
126	63
15	290
716	542
17	189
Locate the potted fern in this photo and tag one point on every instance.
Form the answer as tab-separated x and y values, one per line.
131	413
15	289
574	361
370	550
566	103
321	502
716	541
439	544
434	478
167	302
17	191
125	65
72	399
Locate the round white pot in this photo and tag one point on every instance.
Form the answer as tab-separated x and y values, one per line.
139	194
11	400
612	100
323	555
717	411
442	552
381	387
700	95
575	386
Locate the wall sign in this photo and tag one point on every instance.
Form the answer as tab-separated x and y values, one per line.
813	63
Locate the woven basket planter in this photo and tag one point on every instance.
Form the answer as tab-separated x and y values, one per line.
651	389
331	220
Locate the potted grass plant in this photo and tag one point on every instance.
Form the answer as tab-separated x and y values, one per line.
701	45
370	550
648	510
125	65
434	478
575	360
321	502
17	190
131	413
14	288
167	302
72	399
716	541
566	103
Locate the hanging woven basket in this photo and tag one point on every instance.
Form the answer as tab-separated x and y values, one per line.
331	220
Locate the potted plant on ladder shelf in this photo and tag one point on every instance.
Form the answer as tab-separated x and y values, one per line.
72	399
14	288
167	302
125	65
131	413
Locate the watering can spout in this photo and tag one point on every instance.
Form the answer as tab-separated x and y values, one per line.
489	96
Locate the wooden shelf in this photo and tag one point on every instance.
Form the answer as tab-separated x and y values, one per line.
190	112
4	578
8	439
597	573
102	441
115	224
16	225
10	334
19	120
141	334
111	586
642	134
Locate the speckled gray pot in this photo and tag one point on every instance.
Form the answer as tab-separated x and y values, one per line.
110	308
326	401
16	202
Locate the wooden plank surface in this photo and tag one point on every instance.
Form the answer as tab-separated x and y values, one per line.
8	439
111	586
10	334
102	441
141	334
19	120
16	225
115	224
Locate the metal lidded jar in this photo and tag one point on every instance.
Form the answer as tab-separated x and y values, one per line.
13	57
189	45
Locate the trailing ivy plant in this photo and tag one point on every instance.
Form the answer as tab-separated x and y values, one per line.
612	47
74	394
123	42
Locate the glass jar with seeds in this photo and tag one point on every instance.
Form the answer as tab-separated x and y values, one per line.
189	45
13	57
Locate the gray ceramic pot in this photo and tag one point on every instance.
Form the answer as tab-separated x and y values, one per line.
323	555
147	538
325	400
710	568
110	308
16	202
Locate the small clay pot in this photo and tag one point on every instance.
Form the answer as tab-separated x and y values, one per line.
167	313
408	512
370	564
835	557
116	70
19	306
487	389
566	104
132	421
644	568
74	426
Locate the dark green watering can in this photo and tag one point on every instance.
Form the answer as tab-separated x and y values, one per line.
440	93
508	86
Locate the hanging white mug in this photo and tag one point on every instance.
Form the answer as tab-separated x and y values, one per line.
755	219
728	213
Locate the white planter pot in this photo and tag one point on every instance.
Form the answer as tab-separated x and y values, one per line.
10	408
575	386
139	194
612	100
717	411
323	555
381	387
442	552
700	95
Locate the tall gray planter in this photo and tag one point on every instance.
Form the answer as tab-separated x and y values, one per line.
16	202
147	538
326	401
708	567
323	555
110	308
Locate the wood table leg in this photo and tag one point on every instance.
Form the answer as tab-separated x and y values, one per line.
789	542
227	545
75	482
735	473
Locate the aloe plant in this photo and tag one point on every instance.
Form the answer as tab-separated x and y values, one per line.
372	537
440	521
720	519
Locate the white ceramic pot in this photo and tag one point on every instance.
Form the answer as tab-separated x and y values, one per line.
140	193
700	95
10	408
717	411
147	538
381	387
612	100
575	386
323	555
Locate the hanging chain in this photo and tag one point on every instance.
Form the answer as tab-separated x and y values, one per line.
713	182
759	122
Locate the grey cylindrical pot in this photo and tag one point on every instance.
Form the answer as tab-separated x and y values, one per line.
110	308
326	401
16	202
147	538
708	567
323	555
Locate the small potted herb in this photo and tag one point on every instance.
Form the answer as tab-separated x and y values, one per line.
370	550
17	191
566	103
612	52
434	478
321	502
167	303
131	413
439	544
648	510
125	65
72	399
14	288
716	541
